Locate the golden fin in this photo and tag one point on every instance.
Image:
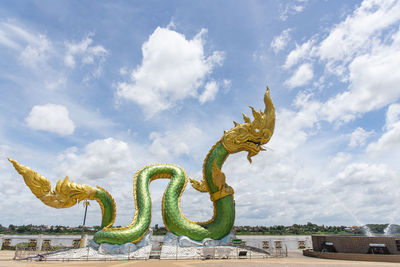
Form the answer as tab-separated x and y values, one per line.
199	186
38	184
218	176
246	119
65	194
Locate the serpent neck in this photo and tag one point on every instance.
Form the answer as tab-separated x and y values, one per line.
218	153
224	208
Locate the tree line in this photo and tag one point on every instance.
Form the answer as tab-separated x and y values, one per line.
295	229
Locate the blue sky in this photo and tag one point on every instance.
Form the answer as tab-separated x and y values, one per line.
96	90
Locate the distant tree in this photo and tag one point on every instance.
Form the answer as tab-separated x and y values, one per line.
97	228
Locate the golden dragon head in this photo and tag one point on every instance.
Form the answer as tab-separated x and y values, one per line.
251	135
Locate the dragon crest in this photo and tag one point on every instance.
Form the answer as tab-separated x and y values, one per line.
251	135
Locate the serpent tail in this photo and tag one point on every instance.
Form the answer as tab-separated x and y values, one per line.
66	193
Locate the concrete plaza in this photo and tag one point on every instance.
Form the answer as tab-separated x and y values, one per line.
295	259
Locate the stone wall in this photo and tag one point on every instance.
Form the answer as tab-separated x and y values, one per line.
356	244
47	240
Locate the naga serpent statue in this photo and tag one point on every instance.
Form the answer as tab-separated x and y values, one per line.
248	136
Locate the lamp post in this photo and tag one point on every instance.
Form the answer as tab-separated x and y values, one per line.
86	204
84	236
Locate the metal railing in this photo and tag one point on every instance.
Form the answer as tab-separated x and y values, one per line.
165	253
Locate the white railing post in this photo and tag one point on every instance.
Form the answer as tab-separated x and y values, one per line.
84	239
1	241
39	242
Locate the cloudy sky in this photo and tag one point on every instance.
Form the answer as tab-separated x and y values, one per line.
97	89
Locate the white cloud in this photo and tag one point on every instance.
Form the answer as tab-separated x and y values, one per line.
359	136
279	42
374	81
47	75
91	120
291	130
392	116
34	48
87	53
42	55
171	25
101	159
6	40
211	89
301	52
390	139
17	202
15	37
292	8
356	34
360	184
339	160
5	152
301	77
363	51
111	164
36	53
172	69
278	179
176	142
350	184
294	165
226	85
51	118
123	71
56	83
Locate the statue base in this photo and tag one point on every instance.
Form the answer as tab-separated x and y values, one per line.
105	251
174	247
182	247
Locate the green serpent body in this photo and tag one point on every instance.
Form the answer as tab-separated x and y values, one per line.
174	221
108	207
248	136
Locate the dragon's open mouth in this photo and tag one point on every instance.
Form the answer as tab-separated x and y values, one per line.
258	144
254	142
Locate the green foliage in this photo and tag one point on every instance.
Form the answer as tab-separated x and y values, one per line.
310	228
159	230
45	229
380	228
377	228
295	229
